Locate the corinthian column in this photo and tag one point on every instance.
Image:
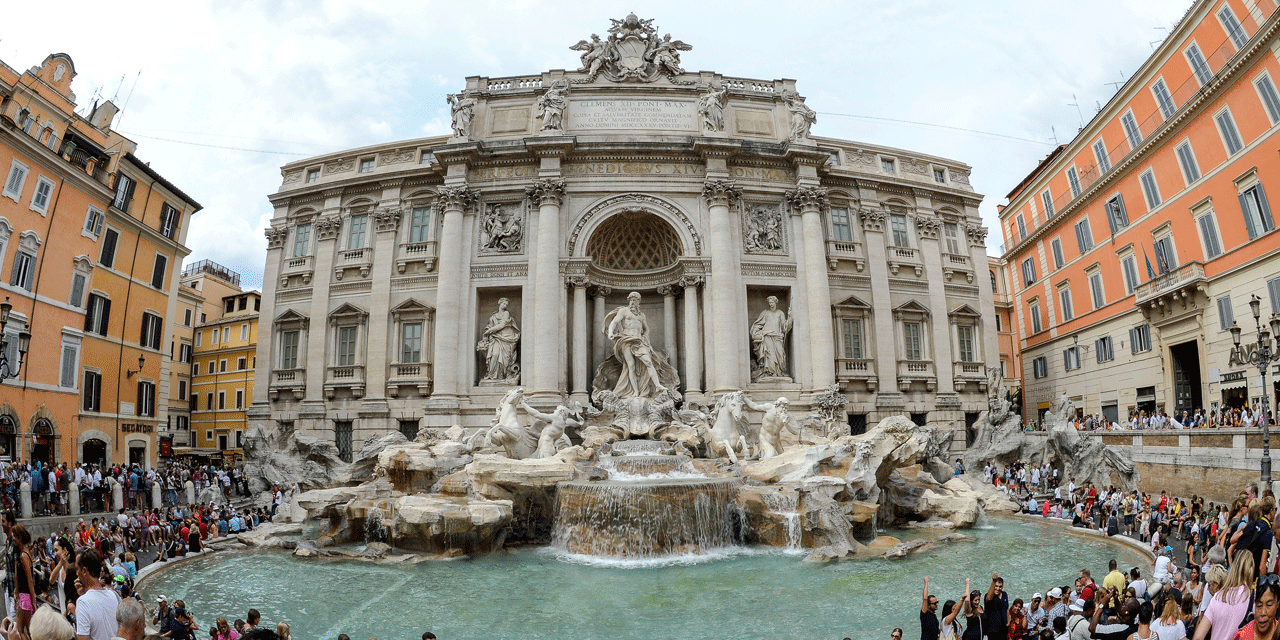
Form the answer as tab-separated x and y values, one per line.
725	288
810	202
547	335
692	374
669	322
450	291
580	331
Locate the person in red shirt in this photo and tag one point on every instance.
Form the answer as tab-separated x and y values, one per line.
204	529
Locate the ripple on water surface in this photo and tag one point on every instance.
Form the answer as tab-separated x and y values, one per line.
538	593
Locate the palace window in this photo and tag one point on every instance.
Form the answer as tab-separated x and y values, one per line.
1166	258
40	197
158	271
1198	64
24	261
150	331
951	231
1096	291
146	399
17	178
1226	317
1209	235
107	257
290	329
356	234
313	175
1130	269
1040	367
420	224
289	350
1037	322
898	224
1100	154
851	316
1047	199
98	314
1257	214
1150	189
91	394
93	220
124	192
412	321
169	221
1232	26
1104	349
1028	272
840	228
1187	160
302	240
1071	358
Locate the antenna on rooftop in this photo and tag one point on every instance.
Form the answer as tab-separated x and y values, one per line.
118	85
1055	135
1076	103
126	99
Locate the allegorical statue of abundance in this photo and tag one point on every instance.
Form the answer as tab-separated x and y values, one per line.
551	106
498	343
769	336
463	108
642	367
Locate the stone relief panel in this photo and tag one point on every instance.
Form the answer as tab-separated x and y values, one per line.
340	166
762	228
398	156
502	228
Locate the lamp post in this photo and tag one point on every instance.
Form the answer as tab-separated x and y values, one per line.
1260	355
10	369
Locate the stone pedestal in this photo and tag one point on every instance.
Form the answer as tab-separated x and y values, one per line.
24	498
156	496
190	488
73	498
117	496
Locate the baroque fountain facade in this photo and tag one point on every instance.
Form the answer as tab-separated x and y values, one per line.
620	291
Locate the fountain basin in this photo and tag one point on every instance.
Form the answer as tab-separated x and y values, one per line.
648	465
646	519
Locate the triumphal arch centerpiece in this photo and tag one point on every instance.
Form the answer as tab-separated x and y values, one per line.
628	231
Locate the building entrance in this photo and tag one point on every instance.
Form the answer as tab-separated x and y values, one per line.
42	449
1186	377
94	452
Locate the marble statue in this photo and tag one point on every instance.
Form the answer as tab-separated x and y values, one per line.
776	418
551	106
552	436
763	233
498	342
769	336
501	231
802	117
640	362
594	55
666	55
542	439
726	437
711	108
463	108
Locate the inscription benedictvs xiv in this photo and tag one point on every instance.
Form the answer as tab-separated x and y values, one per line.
669	115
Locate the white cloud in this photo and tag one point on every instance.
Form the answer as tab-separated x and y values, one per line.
308	78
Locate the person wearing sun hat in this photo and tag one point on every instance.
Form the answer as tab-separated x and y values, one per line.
163	617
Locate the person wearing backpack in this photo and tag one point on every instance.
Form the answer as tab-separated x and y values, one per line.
1257	535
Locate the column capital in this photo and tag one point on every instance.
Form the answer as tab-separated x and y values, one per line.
275	237
600	291
871	219
387	218
691	282
545	191
667	290
977	234
808	198
327	227
721	192
927	226
577	281
457	198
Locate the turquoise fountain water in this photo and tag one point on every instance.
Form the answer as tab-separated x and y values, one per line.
546	593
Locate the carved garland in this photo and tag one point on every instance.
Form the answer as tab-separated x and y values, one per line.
643	202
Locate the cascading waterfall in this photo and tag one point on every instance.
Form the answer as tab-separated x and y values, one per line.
375	527
787	506
653	505
983	522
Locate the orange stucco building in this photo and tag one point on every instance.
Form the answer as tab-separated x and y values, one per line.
91	244
1134	247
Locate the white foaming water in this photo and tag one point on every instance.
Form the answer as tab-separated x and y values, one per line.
983	522
652	562
622	476
786	505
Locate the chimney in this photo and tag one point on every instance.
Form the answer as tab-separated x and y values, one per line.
103	114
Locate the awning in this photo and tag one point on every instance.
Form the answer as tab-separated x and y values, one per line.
1234	384
194	451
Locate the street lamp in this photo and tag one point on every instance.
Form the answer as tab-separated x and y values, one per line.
1260	355
10	369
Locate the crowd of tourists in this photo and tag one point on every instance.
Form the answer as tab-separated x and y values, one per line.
50	484
1225	588
1225	417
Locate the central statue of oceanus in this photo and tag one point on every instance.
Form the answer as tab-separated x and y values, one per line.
635	368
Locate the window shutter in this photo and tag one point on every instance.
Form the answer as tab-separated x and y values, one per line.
1273	288
68	366
1248	220
106	316
89	316
1268	222
77	290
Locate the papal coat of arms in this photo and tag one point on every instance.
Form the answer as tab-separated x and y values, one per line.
634	51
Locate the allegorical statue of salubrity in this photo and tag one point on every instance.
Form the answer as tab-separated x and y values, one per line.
802	117
629	330
769	336
498	342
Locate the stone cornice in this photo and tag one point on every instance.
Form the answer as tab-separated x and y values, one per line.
717	147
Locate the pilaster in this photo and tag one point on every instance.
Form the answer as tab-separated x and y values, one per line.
327	227
378	344
927	229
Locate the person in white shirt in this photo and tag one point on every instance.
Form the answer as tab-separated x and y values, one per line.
96	606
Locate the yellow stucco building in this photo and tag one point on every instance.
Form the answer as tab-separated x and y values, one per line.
225	341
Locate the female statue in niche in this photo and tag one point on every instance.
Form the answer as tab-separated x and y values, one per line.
769	335
498	343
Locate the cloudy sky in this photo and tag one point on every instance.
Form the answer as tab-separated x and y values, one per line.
220	94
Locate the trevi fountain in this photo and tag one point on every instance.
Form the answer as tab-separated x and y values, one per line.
769	454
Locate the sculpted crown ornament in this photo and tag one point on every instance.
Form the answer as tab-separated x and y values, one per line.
456	197
807	197
721	192
547	191
633	52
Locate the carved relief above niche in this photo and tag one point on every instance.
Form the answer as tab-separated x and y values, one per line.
502	228
762	228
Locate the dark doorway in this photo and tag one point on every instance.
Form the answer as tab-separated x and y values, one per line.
94	452
970	428
8	437
1111	412
137	455
1147	399
409	428
857	424
1186	377
42	449
921	419
1236	397
342	437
